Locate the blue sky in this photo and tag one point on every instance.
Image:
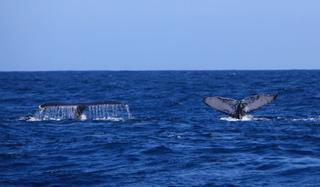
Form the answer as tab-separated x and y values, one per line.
159	34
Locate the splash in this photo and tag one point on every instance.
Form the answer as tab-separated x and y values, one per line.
245	118
56	113
112	112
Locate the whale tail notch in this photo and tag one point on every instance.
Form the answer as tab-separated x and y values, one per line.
236	108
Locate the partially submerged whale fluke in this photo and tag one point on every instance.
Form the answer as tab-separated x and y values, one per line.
238	109
78	104
93	110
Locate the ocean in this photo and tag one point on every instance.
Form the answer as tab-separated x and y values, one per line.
171	138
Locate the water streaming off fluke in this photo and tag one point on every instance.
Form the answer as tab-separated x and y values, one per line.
111	110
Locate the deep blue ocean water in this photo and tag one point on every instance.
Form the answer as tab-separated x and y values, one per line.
174	139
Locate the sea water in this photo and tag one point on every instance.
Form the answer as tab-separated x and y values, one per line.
172	138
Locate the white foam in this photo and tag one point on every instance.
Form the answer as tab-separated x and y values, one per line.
83	117
32	119
307	119
109	119
245	118
48	119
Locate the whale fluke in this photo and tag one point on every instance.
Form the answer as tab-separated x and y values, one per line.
257	101
79	104
238	109
93	110
224	105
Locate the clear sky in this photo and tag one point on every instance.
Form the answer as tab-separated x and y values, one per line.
159	34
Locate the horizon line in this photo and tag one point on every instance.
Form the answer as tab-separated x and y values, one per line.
293	69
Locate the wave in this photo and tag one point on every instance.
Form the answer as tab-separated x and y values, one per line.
83	118
279	118
313	119
296	119
158	150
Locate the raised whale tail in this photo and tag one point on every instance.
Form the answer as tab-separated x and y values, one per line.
237	108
